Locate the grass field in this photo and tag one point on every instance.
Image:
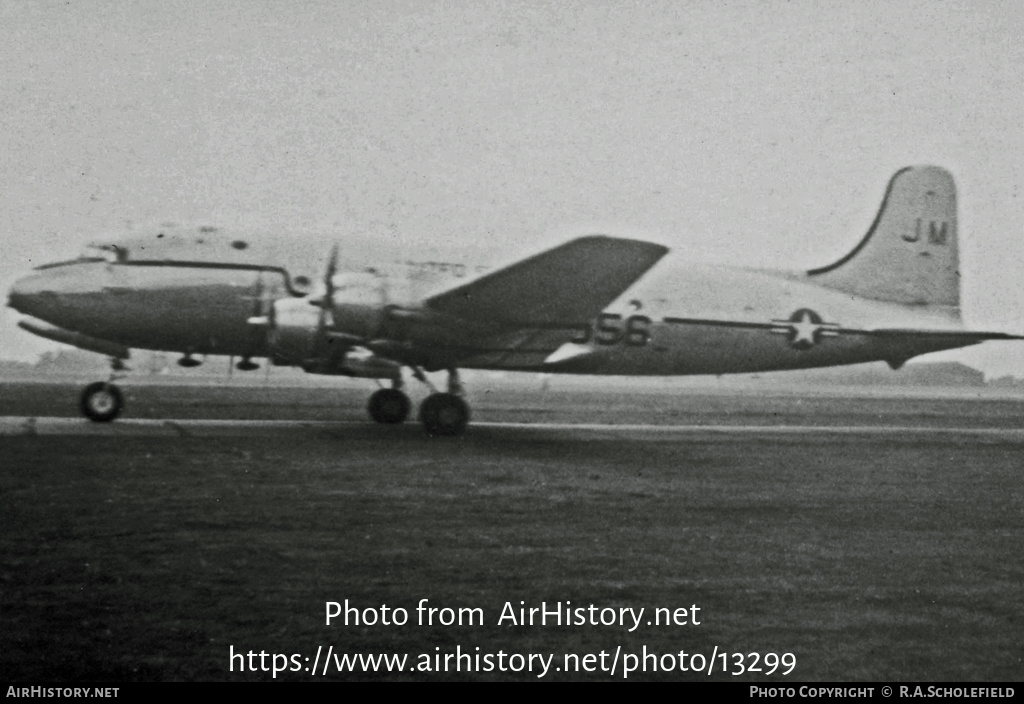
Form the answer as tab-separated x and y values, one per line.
882	557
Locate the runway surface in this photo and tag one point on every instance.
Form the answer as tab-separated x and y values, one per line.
60	426
874	537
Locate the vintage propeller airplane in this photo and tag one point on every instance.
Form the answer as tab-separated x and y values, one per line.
594	305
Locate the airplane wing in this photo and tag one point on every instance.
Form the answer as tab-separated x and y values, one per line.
515	317
523	348
563	287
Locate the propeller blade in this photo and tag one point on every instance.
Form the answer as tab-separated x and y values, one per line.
332	269
327	304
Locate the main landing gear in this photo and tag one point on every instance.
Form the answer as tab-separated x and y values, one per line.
442	414
389	406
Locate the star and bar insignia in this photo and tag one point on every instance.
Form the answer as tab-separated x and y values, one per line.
805	329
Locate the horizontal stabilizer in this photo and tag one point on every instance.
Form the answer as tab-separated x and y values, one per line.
567	285
902	345
951	334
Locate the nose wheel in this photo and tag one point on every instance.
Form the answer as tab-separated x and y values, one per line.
101	402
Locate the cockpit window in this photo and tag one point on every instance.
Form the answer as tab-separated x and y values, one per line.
68	262
110	253
93	253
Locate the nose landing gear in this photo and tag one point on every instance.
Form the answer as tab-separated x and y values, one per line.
101	401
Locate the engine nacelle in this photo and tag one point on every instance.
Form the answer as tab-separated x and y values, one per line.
359	304
357	314
292	336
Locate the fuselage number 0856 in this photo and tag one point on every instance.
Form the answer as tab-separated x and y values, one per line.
611	329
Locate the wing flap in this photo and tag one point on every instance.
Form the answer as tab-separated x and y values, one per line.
565	286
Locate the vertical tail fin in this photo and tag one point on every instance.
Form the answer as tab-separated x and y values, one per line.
909	255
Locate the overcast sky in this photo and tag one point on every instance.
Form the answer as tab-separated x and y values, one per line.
761	133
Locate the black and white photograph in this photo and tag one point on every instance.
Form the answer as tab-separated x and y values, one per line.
512	340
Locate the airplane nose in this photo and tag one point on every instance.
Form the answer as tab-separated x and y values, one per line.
24	291
42	293
62	295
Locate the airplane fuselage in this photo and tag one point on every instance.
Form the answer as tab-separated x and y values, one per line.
679	318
